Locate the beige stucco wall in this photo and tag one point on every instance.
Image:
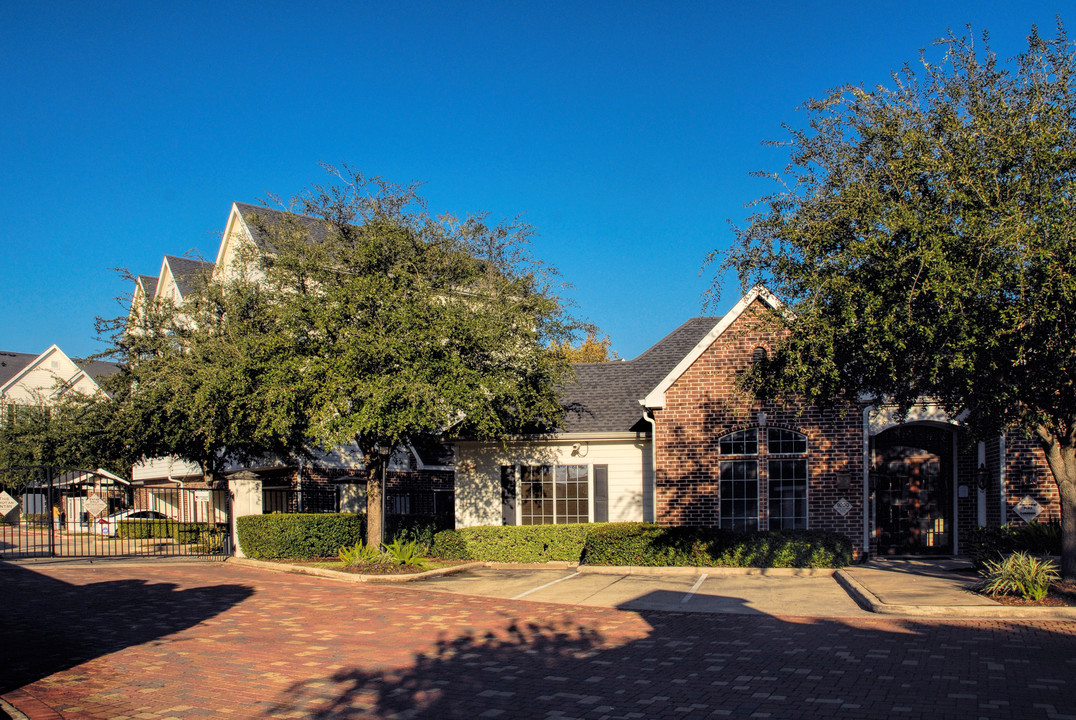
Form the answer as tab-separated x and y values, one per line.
478	473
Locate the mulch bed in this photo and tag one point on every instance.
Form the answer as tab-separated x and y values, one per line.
1061	595
364	569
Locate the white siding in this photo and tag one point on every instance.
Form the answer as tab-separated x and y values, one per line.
164	467
478	474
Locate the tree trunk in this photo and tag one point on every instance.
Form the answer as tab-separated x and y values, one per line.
1062	461
374	505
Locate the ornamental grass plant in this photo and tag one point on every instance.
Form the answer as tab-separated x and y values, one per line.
1020	574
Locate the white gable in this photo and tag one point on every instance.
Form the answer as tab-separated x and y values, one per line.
46	377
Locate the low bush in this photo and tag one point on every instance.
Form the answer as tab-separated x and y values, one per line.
526	543
142	529
299	535
413	528
654	545
988	544
1019	574
449	545
359	554
210	540
404	552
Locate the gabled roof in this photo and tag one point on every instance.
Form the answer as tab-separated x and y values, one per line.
148	283
12	363
97	370
185	271
15	366
605	396
656	397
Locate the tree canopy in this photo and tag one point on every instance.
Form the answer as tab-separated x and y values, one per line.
349	316
924	241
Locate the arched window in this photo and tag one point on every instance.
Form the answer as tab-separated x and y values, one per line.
738	486
786	479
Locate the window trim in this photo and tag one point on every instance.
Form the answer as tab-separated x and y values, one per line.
517	469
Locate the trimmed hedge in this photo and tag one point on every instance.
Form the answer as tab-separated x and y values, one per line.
993	543
638	543
144	529
299	535
184	533
513	543
654	545
419	528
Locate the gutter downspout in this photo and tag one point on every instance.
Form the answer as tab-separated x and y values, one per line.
649	417
866	480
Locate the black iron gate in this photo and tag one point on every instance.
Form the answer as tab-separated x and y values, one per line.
66	512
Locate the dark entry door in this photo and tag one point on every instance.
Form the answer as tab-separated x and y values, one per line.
913	480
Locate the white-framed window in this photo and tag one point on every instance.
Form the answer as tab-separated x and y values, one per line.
554	494
786	479
786	476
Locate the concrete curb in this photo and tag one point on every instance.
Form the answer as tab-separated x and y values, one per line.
869	601
709	571
349	577
663	570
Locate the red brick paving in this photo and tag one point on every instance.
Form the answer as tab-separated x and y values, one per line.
222	641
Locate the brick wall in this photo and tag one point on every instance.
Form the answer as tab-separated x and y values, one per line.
1027	473
703	405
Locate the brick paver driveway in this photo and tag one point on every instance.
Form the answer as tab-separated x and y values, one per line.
217	640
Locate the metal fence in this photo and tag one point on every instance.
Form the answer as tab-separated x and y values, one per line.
60	512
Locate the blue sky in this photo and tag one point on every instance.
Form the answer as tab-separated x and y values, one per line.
624	132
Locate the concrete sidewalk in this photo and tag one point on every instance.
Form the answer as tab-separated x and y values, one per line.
931	588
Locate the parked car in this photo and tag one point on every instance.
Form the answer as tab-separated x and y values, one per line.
109	525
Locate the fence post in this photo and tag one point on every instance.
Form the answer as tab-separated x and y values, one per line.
246	496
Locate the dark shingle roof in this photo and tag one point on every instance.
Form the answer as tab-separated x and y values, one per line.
12	362
97	369
186	271
149	284
318	228
605	396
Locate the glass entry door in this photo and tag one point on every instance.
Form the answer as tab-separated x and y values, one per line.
913	481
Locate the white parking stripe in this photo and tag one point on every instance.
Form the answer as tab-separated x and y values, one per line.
541	587
694	588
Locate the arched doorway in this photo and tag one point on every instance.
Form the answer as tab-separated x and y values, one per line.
912	473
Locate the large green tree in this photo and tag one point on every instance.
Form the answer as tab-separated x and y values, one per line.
207	381
399	325
924	240
352	317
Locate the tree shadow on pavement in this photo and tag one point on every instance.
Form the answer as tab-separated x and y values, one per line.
692	666
50	625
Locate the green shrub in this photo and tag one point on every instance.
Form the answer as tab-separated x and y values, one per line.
404	552
187	533
994	543
1019	574
359	554
413	528
449	545
654	545
525	543
299	535
210	540
143	529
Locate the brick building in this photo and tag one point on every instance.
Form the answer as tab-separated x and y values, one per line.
667	437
